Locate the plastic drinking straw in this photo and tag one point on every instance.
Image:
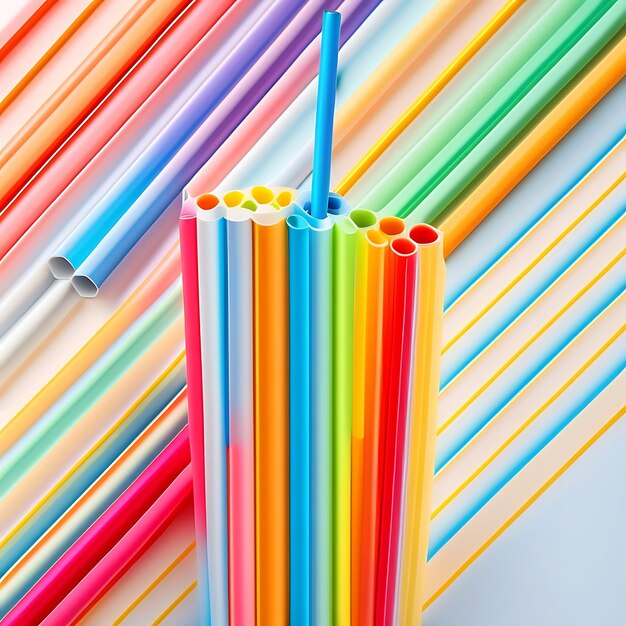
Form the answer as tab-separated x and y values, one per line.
324	113
150	79
271	401
101	494
368	518
150	407
142	334
275	103
299	422
124	554
563	218
146	185
422	426
570	109
22	21
321	433
148	291
545	91
195	399
63	112
49	54
400	60
537	83
502	72
344	249
363	220
212	281
241	549
116	243
402	282
102	535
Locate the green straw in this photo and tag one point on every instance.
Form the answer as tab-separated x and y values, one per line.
445	129
512	93
344	252
506	132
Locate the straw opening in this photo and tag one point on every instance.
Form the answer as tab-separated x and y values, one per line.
84	286
207	201
60	267
424	234
391	226
376	238
285	198
233	198
363	218
403	246
263	195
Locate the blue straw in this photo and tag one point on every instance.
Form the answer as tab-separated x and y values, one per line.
324	114
300	422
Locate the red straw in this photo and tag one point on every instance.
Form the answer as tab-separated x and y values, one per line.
101	536
394	413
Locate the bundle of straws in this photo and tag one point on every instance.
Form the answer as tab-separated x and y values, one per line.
313	341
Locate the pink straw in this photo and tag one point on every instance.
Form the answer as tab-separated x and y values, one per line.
124	554
189	263
101	536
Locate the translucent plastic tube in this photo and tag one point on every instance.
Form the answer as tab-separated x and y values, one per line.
372	251
342	332
212	281
271	379
398	343
422	428
29	449
467	107
241	546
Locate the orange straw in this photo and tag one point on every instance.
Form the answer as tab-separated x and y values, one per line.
366	542
539	141
271	421
428	95
150	289
73	101
50	52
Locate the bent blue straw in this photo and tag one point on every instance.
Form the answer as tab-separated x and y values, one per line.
324	114
299	422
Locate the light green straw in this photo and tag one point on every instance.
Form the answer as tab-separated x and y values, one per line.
344	252
479	95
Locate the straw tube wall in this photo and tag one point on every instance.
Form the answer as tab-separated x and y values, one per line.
213	344
240	455
421	433
271	406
